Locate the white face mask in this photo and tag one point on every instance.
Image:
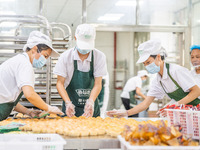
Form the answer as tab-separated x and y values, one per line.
196	64
39	63
153	68
83	51
143	81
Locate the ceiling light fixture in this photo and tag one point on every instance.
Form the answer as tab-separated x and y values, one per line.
7	12
110	17
7	0
8	24
126	3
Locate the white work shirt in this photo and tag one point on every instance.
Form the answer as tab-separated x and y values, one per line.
65	65
106	96
131	85
196	77
15	73
180	74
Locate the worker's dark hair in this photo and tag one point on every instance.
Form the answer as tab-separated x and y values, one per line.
154	56
145	76
40	47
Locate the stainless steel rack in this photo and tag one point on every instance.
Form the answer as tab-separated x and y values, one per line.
62	40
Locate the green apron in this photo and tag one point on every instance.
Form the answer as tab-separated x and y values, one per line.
179	93
79	90
101	94
6	108
132	97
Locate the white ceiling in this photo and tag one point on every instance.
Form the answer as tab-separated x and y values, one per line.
69	11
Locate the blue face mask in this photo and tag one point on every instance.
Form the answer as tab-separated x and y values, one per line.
83	51
39	63
153	68
144	81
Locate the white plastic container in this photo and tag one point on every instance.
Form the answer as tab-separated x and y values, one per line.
127	146
189	121
31	142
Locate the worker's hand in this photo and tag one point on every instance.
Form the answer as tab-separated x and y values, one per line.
89	108
117	113
54	110
70	111
33	113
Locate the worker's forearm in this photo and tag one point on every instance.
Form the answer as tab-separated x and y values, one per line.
62	92
194	93
137	109
141	107
95	92
37	101
20	108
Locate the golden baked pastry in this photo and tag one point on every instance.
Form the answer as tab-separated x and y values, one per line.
79	126
19	115
147	134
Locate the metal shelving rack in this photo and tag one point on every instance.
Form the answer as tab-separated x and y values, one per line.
12	42
61	42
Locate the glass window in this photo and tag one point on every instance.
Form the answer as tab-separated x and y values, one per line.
19	7
119	12
65	11
163	12
196	24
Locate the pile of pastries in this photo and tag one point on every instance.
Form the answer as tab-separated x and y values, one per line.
76	126
156	134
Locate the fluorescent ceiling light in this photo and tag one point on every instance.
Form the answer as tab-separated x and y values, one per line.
110	17
126	3
7	12
8	24
7	0
97	25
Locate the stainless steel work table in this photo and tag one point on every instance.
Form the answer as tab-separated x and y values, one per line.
97	142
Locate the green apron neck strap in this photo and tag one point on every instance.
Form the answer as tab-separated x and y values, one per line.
75	64
167	66
162	86
92	62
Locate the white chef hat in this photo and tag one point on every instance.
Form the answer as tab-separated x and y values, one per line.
85	36
151	47
142	73
36	38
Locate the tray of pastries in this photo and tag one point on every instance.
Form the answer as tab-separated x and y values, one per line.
77	126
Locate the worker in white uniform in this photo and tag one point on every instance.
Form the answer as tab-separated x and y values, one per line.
79	74
17	77
172	80
132	87
195	60
104	95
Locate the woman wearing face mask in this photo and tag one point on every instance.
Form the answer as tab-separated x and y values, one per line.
17	77
172	80
80	71
132	87
195	60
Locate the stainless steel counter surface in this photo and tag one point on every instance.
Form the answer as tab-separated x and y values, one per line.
98	142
